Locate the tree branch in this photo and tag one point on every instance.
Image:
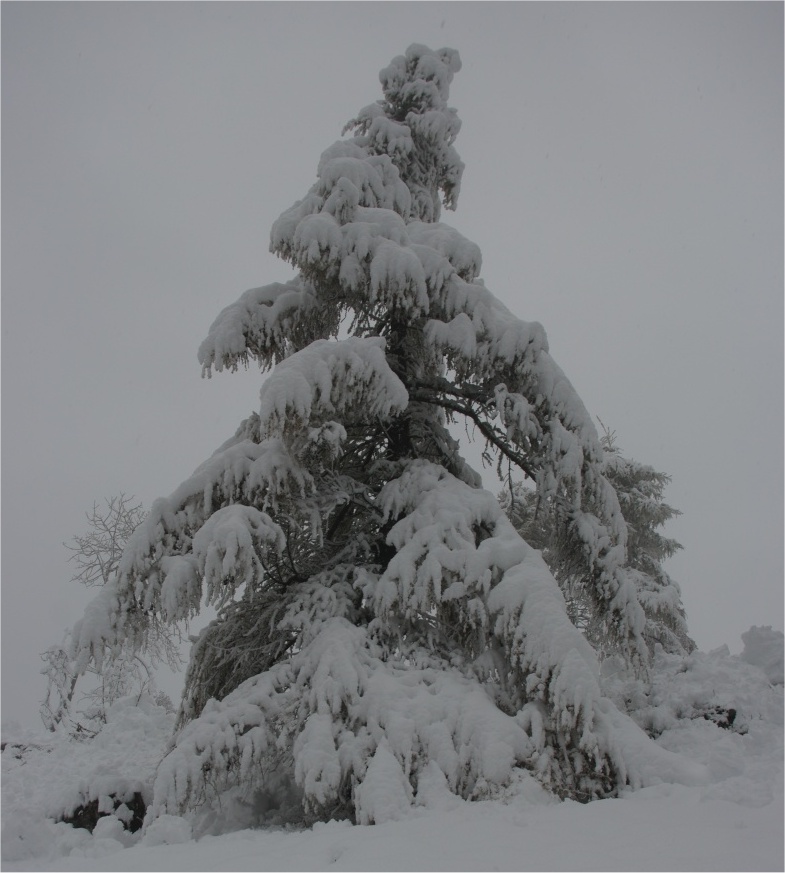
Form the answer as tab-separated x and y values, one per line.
434	391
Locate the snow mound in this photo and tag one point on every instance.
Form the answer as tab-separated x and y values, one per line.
717	710
731	822
765	648
48	777
167	830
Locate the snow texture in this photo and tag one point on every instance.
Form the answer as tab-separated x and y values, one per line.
734	821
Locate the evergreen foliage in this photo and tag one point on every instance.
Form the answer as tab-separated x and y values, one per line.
378	615
640	491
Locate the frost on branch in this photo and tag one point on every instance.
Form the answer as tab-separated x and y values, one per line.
378	615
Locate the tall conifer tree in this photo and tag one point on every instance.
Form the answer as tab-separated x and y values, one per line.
381	626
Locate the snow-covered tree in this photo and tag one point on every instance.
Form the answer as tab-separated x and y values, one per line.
96	554
381	626
640	490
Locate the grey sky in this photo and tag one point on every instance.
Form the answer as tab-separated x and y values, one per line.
624	179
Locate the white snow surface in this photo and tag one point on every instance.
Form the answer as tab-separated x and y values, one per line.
733	821
330	378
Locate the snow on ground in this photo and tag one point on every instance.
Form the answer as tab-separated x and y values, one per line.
734	821
664	828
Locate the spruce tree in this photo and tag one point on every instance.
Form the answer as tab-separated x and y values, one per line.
382	629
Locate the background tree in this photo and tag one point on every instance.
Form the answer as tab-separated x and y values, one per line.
640	490
381	626
96	554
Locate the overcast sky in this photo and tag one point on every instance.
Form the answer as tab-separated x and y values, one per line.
624	180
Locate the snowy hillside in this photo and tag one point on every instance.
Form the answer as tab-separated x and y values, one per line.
731	820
